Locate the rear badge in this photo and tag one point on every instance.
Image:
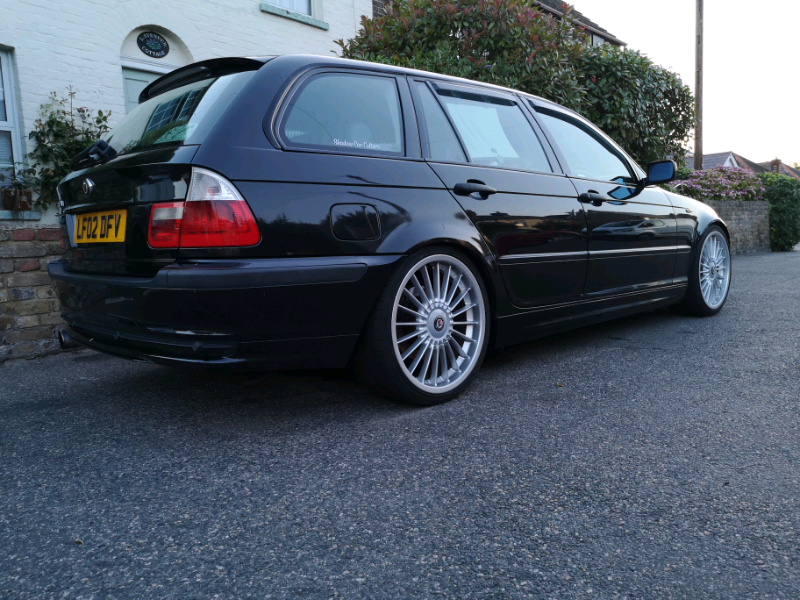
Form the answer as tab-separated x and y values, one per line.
88	186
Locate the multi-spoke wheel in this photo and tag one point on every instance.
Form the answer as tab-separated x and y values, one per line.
710	276
429	331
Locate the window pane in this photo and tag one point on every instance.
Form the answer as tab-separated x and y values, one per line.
442	139
588	155
495	132
3	115
301	6
6	158
346	112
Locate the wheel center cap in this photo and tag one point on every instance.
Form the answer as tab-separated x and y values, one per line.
438	324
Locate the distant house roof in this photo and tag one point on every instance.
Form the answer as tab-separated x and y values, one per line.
727	159
555	7
783	168
749	165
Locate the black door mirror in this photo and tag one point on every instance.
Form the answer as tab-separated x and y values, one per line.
661	172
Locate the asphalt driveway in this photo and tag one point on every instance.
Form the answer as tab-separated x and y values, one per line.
655	457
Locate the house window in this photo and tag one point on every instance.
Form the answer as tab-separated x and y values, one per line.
299	6
10	152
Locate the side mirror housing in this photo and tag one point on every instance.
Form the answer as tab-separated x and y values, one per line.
661	171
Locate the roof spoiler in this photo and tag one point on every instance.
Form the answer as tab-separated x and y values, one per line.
206	69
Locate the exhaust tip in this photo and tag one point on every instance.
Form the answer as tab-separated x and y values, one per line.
65	341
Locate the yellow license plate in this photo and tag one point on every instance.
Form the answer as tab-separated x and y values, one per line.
96	227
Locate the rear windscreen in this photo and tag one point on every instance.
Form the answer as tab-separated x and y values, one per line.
178	117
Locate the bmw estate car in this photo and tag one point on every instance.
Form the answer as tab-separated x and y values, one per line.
312	212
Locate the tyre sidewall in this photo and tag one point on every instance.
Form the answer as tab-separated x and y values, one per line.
694	296
378	363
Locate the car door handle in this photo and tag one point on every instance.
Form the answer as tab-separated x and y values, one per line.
474	187
593	198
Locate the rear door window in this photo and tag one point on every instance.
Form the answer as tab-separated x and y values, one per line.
494	130
348	113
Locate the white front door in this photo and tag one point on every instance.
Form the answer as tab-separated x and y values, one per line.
135	82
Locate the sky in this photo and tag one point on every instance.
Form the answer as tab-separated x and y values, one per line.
751	81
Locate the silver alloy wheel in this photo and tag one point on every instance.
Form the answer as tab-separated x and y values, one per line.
438	323
715	270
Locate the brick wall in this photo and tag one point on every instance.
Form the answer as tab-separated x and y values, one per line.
29	309
748	223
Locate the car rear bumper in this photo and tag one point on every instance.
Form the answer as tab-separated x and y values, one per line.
284	313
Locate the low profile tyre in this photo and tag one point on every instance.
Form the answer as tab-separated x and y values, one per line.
428	333
710	274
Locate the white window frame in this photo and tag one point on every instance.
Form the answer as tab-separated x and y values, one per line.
294	2
11	124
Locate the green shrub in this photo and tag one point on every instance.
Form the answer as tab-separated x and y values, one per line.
511	43
60	132
783	195
645	108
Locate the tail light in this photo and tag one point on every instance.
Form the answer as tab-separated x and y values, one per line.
214	216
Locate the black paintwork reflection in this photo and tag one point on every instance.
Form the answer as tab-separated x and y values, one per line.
531	214
351	222
294	219
641	225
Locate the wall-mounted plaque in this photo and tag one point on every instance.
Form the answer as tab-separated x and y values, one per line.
152	44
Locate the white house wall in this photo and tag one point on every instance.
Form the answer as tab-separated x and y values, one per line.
79	43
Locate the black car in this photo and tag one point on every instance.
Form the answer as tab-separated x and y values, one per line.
304	211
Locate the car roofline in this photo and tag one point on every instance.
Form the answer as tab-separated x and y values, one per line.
323	61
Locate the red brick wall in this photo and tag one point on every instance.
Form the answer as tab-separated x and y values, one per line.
29	309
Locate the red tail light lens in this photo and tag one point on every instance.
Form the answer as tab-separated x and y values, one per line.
218	224
165	225
214	216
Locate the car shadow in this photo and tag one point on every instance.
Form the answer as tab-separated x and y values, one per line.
258	394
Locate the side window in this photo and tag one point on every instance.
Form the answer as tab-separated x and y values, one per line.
443	144
494	131
588	155
9	152
350	113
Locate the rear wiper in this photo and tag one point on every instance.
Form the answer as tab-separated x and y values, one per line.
100	151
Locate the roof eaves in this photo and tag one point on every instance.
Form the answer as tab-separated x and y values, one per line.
580	20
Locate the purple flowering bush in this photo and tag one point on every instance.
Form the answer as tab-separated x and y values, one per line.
720	183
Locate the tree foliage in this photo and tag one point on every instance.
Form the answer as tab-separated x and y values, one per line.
512	43
783	195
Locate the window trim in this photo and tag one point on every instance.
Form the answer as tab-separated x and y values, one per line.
11	124
410	152
279	11
434	84
537	107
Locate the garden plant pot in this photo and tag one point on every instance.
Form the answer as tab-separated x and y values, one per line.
17	200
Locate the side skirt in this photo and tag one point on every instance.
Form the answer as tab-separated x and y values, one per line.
533	324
